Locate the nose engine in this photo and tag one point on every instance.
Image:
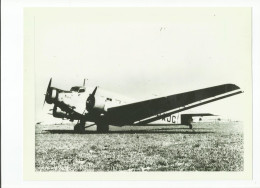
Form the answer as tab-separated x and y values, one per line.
51	94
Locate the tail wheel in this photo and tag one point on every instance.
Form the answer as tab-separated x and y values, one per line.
189	122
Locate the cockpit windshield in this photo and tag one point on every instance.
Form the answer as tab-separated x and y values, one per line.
77	89
81	90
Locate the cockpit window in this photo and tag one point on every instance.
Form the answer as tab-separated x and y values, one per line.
76	89
81	90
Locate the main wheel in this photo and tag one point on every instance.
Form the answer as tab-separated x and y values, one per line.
102	128
79	128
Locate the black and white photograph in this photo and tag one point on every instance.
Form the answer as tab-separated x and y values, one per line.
138	89
114	93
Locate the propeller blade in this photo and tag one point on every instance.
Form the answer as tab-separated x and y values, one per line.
49	85
94	92
47	92
91	100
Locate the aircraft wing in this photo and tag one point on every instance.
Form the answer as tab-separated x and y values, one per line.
140	111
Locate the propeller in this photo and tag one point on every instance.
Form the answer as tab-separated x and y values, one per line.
91	100
94	92
48	92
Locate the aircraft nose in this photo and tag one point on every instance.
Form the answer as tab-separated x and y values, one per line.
64	97
61	97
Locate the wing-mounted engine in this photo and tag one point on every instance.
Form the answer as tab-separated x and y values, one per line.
96	103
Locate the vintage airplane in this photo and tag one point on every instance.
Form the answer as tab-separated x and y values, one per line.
86	104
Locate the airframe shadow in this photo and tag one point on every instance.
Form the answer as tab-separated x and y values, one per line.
154	131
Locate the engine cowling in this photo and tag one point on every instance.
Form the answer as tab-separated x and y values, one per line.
54	94
51	95
96	103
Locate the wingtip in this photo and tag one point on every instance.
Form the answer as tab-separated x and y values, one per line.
232	86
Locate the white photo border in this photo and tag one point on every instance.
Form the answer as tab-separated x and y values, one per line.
12	93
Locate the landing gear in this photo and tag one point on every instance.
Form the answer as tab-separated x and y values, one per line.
186	119
189	120
102	128
80	127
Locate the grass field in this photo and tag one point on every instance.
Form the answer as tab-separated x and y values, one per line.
207	147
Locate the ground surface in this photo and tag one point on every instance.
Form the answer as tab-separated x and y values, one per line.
207	147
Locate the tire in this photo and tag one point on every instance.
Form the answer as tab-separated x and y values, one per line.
102	128
79	128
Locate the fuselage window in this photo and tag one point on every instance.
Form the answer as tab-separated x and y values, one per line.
109	99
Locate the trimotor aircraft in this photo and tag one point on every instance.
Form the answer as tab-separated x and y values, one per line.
105	108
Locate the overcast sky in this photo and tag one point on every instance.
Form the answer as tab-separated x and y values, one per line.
143	52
